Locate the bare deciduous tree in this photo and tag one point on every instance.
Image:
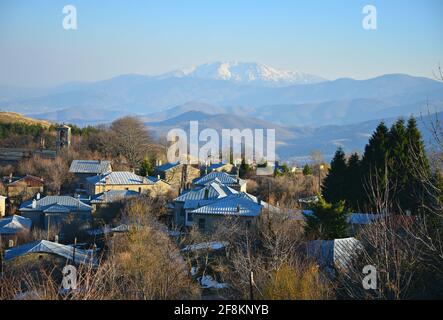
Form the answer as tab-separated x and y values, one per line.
130	138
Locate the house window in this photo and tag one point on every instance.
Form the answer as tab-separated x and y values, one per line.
201	223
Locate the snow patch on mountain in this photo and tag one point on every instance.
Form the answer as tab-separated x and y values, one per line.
245	73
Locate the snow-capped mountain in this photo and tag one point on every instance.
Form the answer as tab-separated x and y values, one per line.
245	73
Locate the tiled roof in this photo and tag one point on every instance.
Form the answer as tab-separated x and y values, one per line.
90	166
28	177
113	195
222	177
54	203
14	224
119	178
236	205
167	166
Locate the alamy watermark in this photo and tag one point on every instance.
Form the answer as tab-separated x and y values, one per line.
235	145
369	21
369	281
70	19
69	281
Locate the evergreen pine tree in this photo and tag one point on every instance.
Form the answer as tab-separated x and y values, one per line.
334	185
307	170
353	188
328	221
374	165
245	169
147	166
398	156
417	168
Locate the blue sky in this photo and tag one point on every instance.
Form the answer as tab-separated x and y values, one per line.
321	37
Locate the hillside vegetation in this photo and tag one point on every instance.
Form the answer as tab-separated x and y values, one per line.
12	117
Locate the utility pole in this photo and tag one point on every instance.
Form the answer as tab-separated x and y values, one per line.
73	251
49	224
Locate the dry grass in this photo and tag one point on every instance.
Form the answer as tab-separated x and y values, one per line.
12	117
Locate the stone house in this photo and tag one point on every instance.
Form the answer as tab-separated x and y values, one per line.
125	180
24	187
179	176
11	228
195	198
83	169
107	198
53	210
2	206
240	207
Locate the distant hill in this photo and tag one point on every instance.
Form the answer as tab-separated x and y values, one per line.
178	110
294	143
12	117
139	94
217	122
81	116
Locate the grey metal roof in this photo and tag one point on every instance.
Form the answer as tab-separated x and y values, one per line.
14	224
235	205
113	195
336	253
222	177
119	178
196	197
54	203
167	166
364	218
214	190
56	208
90	166
44	246
107	230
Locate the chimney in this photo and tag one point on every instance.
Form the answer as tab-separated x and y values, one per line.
37	196
10	177
107	180
158	177
34	204
206	194
159	162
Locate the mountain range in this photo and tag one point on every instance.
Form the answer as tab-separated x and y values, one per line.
303	108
